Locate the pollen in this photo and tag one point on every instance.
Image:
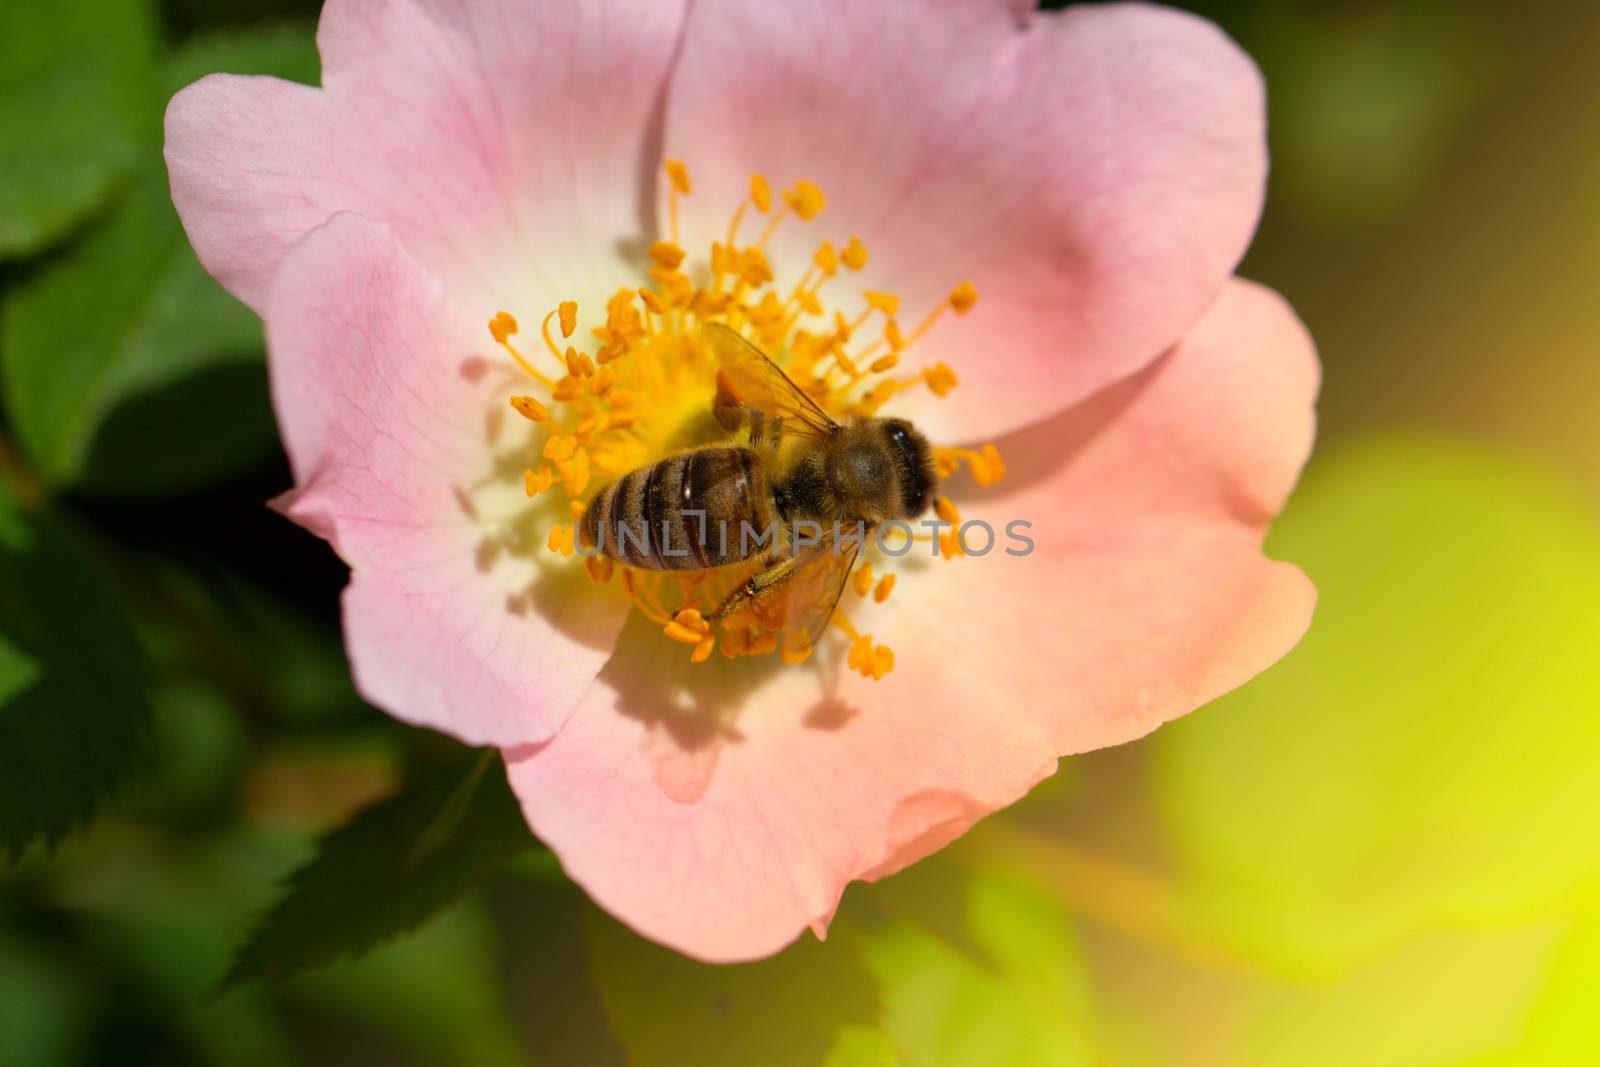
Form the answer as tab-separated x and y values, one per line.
854	254
940	378
806	199
679	175
963	297
538	481
560	540
667	254
760	193
628	382
530	409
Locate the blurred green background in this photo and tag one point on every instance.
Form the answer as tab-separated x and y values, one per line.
1384	851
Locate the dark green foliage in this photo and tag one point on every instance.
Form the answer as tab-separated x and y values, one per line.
387	870
72	703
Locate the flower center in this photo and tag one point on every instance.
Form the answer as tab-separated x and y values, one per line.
641	392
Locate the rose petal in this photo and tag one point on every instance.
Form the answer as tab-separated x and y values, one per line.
723	811
1146	593
391	413
507	144
725	842
1096	175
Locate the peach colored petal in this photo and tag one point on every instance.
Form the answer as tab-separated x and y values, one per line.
1146	594
725	841
391	414
1096	172
507	144
721	812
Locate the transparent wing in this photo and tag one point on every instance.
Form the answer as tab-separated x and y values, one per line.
819	579
753	392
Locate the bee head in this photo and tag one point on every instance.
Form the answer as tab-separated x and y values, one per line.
912	459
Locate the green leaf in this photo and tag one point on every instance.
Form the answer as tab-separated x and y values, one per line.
671	1011
120	355
1426	756
1020	998
396	996
1364	119
78	98
391	867
72	703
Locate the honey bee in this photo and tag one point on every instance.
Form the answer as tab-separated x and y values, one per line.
799	473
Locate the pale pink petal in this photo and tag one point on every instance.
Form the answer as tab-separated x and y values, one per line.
1096	173
721	811
506	143
1146	593
393	415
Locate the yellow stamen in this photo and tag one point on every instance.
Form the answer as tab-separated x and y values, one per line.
530	409
679	174
667	254
635	384
962	297
826	259
561	540
854	254
538	481
681	633
862	578
760	194
940	378
678	178
501	327
887	303
806	199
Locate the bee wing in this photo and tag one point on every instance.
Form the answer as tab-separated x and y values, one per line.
819	578
753	392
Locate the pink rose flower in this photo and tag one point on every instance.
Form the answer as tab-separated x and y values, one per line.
1031	219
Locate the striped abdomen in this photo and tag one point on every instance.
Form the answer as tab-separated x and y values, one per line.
650	517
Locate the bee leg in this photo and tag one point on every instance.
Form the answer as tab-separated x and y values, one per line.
754	586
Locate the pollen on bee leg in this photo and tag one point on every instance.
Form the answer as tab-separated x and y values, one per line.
703	649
